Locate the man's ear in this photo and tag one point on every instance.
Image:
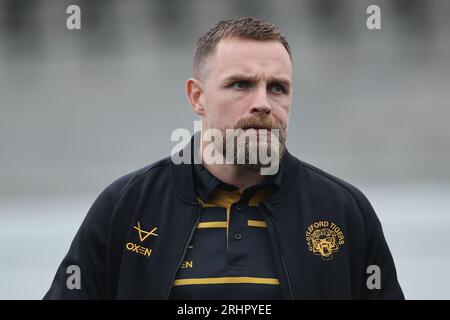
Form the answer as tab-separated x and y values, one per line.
195	96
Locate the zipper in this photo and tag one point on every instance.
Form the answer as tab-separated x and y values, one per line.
180	260
280	248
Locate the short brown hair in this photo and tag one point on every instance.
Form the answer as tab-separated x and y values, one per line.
240	27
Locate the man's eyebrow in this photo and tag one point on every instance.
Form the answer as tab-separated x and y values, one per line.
250	78
238	77
284	81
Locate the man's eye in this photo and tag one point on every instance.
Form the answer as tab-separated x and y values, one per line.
277	88
239	84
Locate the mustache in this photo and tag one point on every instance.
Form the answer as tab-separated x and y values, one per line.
257	123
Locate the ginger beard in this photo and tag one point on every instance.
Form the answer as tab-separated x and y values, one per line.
246	138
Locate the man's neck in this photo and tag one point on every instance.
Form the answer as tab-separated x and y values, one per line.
235	175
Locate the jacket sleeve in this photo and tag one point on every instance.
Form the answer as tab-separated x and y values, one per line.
81	274
378	261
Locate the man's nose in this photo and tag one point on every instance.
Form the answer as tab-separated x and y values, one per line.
260	102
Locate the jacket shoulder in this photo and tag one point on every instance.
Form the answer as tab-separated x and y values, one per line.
327	187
332	185
139	176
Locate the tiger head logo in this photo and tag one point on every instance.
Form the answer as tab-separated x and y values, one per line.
324	242
324	238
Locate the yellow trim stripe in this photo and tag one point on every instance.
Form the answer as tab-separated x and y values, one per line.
223	224
226	280
228	222
257	223
214	224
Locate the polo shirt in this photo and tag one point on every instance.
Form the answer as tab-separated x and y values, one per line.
230	255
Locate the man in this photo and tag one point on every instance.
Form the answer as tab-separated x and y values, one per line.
224	230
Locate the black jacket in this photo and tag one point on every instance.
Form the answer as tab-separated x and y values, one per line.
312	261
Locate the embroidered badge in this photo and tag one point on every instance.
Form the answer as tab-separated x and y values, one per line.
324	238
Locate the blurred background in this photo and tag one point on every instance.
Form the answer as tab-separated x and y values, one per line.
80	108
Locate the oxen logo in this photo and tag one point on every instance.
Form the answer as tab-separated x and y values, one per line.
143	235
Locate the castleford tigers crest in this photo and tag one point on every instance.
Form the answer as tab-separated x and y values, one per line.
324	238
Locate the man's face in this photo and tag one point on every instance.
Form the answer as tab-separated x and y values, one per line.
245	79
247	84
